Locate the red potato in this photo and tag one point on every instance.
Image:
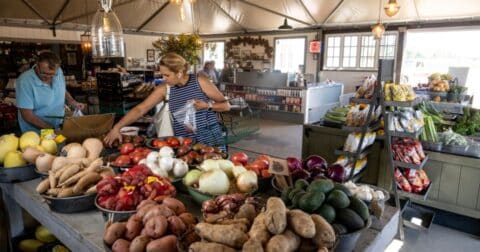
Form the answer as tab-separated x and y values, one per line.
139	243
176	225
133	228
159	210
146	203
188	218
176	205
164	244
144	210
114	232
121	245
156	227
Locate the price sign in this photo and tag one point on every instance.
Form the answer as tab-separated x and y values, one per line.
315	46
278	167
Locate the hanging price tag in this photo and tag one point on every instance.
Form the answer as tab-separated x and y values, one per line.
278	167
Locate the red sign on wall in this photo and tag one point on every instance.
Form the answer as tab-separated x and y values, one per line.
315	46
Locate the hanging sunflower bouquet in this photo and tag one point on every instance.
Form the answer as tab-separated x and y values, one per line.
186	45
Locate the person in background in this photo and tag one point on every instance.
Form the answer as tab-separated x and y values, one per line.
209	71
41	95
183	87
217	74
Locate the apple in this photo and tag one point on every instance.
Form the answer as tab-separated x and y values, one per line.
126	148
239	158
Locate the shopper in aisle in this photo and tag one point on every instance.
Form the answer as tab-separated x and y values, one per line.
41	95
209	71
183	87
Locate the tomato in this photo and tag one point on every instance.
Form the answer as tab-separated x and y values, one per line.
265	158
173	142
239	157
126	148
122	160
187	141
159	143
262	164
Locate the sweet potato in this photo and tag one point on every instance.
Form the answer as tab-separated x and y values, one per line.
52	179
259	230
87	180
53	191
176	225
113	232
324	235
139	243
43	186
188	218
133	227
106	172
121	245
95	165
91	190
252	245
164	244
66	192
156	226
158	210
246	211
286	242
228	235
209	247
73	179
68	172
276	215
301	223
176	205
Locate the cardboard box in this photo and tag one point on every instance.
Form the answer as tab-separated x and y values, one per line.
76	129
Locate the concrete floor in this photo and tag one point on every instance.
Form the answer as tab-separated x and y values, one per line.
281	140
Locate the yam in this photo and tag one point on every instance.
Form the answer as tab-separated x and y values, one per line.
324	235
164	244
106	171
133	227
43	186
228	235
91	190
53	191
66	192
121	245
276	215
156	227
52	179
113	232
73	179
301	223
209	247
68	172
252	245
286	242
87	180
139	244
95	165
246	211
59	162
259	230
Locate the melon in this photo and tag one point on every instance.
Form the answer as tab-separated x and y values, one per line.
29	138
7	143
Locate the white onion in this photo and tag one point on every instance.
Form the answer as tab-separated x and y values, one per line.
226	166
166	163
247	181
180	168
166	151
153	156
238	169
214	182
209	164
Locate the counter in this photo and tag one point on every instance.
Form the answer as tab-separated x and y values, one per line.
456	179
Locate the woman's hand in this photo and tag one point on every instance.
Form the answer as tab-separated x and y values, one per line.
199	104
113	135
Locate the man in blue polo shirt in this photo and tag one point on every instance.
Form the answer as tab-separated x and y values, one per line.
41	95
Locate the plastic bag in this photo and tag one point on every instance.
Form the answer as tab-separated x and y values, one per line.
77	113
186	116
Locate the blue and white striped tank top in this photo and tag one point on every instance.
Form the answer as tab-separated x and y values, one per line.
208	128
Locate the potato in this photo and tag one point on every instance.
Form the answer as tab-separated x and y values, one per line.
114	232
324	235
164	244
276	215
259	230
158	210
176	205
209	247
246	211
121	245
286	242
139	243
252	245
146	202
301	223
322	249
144	210
228	235
307	245
133	228
188	219
176	225
156	226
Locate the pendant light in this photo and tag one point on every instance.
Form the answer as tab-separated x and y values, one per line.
85	38
392	8
179	3
285	25
378	29
107	33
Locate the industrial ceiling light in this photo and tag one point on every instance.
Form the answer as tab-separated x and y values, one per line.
378	29
285	25
107	33
392	8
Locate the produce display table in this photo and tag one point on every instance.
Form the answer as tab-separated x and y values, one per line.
84	231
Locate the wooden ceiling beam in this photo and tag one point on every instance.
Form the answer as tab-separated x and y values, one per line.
153	16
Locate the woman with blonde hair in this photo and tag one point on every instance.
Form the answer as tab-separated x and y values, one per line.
183	87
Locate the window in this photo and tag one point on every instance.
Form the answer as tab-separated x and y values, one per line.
357	51
333	51
289	54
214	50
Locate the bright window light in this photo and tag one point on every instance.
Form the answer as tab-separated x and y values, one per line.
289	54
214	50
394	246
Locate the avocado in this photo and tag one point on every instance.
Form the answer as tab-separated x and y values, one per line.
296	199
343	188
311	201
327	212
338	199
339	228
321	185
293	192
359	207
285	193
349	219
301	184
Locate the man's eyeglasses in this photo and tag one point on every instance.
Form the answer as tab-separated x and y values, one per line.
46	74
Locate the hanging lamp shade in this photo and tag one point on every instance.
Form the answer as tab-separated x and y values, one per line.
392	8
107	35
285	25
378	30
86	42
